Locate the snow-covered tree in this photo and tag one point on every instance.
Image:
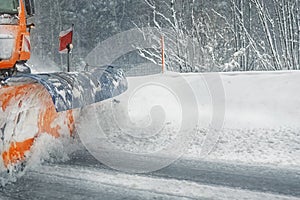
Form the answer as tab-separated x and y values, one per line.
204	35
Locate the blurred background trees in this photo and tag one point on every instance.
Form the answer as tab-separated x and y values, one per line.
219	35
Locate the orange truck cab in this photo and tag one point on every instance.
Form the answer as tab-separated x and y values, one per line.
14	35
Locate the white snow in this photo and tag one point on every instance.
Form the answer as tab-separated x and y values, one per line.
260	124
45	66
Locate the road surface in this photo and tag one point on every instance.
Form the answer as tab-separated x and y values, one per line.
83	177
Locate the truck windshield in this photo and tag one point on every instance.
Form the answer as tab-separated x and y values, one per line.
9	6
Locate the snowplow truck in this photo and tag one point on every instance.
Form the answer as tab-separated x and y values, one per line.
35	104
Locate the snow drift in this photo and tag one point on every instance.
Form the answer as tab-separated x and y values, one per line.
249	117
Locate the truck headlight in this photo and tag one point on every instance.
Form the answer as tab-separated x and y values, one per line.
6	46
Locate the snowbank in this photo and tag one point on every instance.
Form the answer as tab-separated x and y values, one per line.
245	117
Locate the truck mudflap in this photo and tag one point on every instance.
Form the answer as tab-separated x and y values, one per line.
77	89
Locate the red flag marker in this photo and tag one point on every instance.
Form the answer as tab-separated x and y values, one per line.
65	39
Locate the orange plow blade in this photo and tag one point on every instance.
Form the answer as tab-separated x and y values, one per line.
36	104
26	112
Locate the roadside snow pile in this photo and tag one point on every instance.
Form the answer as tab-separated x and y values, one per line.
261	124
245	117
253	146
262	99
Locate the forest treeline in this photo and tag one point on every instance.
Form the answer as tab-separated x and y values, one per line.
219	35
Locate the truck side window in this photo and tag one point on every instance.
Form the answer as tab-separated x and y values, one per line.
9	6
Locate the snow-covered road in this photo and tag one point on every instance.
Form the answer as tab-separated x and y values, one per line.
83	177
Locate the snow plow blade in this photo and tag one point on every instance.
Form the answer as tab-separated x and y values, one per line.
75	90
32	105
